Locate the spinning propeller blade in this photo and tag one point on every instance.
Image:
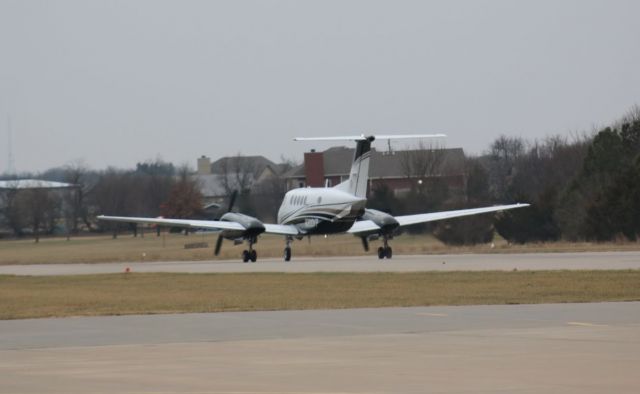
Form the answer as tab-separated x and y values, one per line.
232	201
365	243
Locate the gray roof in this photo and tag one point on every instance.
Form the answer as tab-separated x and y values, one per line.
337	161
255	164
212	185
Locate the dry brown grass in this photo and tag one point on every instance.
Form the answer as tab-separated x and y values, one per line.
115	294
171	248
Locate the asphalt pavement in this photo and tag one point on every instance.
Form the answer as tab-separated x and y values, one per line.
399	263
569	348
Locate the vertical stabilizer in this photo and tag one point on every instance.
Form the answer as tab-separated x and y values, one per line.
359	174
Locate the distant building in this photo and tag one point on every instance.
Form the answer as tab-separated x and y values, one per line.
23	184
232	173
16	187
391	169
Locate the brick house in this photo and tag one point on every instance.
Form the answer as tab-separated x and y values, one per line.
392	169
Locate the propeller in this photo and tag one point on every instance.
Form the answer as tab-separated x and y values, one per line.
365	243
232	200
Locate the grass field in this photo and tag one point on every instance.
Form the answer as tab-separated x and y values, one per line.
115	294
170	247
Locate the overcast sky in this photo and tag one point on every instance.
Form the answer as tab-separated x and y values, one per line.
117	82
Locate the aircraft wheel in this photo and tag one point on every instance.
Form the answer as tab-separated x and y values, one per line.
245	256
381	253
253	255
287	254
388	252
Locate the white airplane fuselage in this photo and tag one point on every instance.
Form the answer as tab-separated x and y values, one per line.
320	210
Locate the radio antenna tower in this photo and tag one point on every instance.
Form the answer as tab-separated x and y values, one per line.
10	162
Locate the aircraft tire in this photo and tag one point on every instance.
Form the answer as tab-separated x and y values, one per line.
381	253
245	256
253	255
388	253
287	254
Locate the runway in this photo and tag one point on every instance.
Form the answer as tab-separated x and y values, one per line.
569	348
399	263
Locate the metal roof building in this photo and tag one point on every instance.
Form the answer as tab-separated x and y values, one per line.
33	184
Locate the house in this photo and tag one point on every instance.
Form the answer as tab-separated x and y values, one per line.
397	170
219	178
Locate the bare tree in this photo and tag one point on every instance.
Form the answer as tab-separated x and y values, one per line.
185	199
267	195
237	173
111	196
76	198
632	115
12	210
40	208
425	161
422	167
503	155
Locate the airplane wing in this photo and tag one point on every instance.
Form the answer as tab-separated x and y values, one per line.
280	229
406	220
187	223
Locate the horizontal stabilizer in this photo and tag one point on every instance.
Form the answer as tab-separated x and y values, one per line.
363	137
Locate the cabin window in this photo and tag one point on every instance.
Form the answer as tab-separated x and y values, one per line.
319	200
304	201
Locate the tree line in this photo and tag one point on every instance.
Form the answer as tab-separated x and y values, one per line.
153	188
584	187
581	188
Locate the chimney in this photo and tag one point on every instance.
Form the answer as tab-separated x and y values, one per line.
314	168
204	165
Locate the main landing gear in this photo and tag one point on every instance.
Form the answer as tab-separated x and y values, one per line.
287	249
385	250
251	254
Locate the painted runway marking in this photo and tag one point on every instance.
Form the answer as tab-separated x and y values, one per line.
583	324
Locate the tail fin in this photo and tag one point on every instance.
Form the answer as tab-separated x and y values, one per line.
359	174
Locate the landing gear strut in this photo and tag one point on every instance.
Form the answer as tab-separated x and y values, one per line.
250	254
287	249
385	250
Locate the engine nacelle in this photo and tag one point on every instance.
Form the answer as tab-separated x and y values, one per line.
253	227
387	223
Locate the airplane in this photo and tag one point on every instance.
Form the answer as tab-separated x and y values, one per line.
320	210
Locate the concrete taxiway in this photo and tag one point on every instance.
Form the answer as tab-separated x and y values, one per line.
569	348
399	263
